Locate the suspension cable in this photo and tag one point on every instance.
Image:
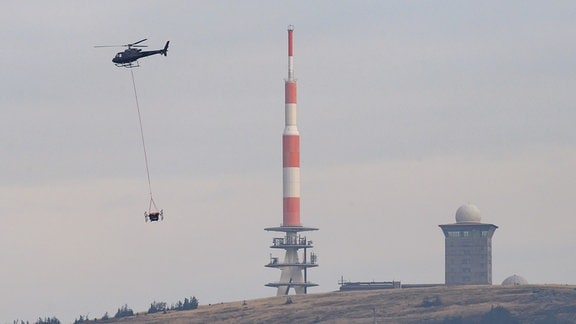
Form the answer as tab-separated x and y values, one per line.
142	136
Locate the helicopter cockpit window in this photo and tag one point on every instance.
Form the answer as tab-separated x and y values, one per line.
119	55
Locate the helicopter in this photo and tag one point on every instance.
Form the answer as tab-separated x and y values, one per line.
129	57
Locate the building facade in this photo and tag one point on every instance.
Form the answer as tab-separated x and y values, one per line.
468	248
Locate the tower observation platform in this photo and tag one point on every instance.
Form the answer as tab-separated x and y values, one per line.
294	272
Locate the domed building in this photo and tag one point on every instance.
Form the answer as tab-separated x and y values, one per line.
468	248
514	280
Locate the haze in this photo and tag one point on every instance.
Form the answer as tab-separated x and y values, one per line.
407	110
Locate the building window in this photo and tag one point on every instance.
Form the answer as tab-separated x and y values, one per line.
484	233
453	234
465	233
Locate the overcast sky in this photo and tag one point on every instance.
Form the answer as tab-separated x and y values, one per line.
407	110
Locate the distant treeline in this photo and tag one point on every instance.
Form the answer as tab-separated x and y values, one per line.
46	320
155	307
124	311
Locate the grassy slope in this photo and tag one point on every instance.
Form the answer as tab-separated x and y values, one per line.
527	303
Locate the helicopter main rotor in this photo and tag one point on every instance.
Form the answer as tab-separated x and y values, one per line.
127	45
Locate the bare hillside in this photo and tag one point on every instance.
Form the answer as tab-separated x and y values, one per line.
528	304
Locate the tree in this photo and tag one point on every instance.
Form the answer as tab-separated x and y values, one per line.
177	306
156	307
48	320
191	303
80	320
124	311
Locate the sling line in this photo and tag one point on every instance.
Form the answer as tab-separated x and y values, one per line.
143	142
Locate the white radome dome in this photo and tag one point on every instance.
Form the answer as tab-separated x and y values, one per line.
514	280
468	214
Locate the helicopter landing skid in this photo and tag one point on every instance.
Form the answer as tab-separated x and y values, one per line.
128	65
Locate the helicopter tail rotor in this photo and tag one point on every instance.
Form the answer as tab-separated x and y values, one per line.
165	50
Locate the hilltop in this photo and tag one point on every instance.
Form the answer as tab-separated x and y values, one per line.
528	304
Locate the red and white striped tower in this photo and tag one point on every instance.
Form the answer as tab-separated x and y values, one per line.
291	146
294	273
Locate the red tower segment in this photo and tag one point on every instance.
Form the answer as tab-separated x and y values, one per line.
290	43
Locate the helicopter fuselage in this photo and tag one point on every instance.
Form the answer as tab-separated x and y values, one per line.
133	54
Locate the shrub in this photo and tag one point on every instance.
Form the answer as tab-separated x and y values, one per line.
550	319
453	320
498	315
431	302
